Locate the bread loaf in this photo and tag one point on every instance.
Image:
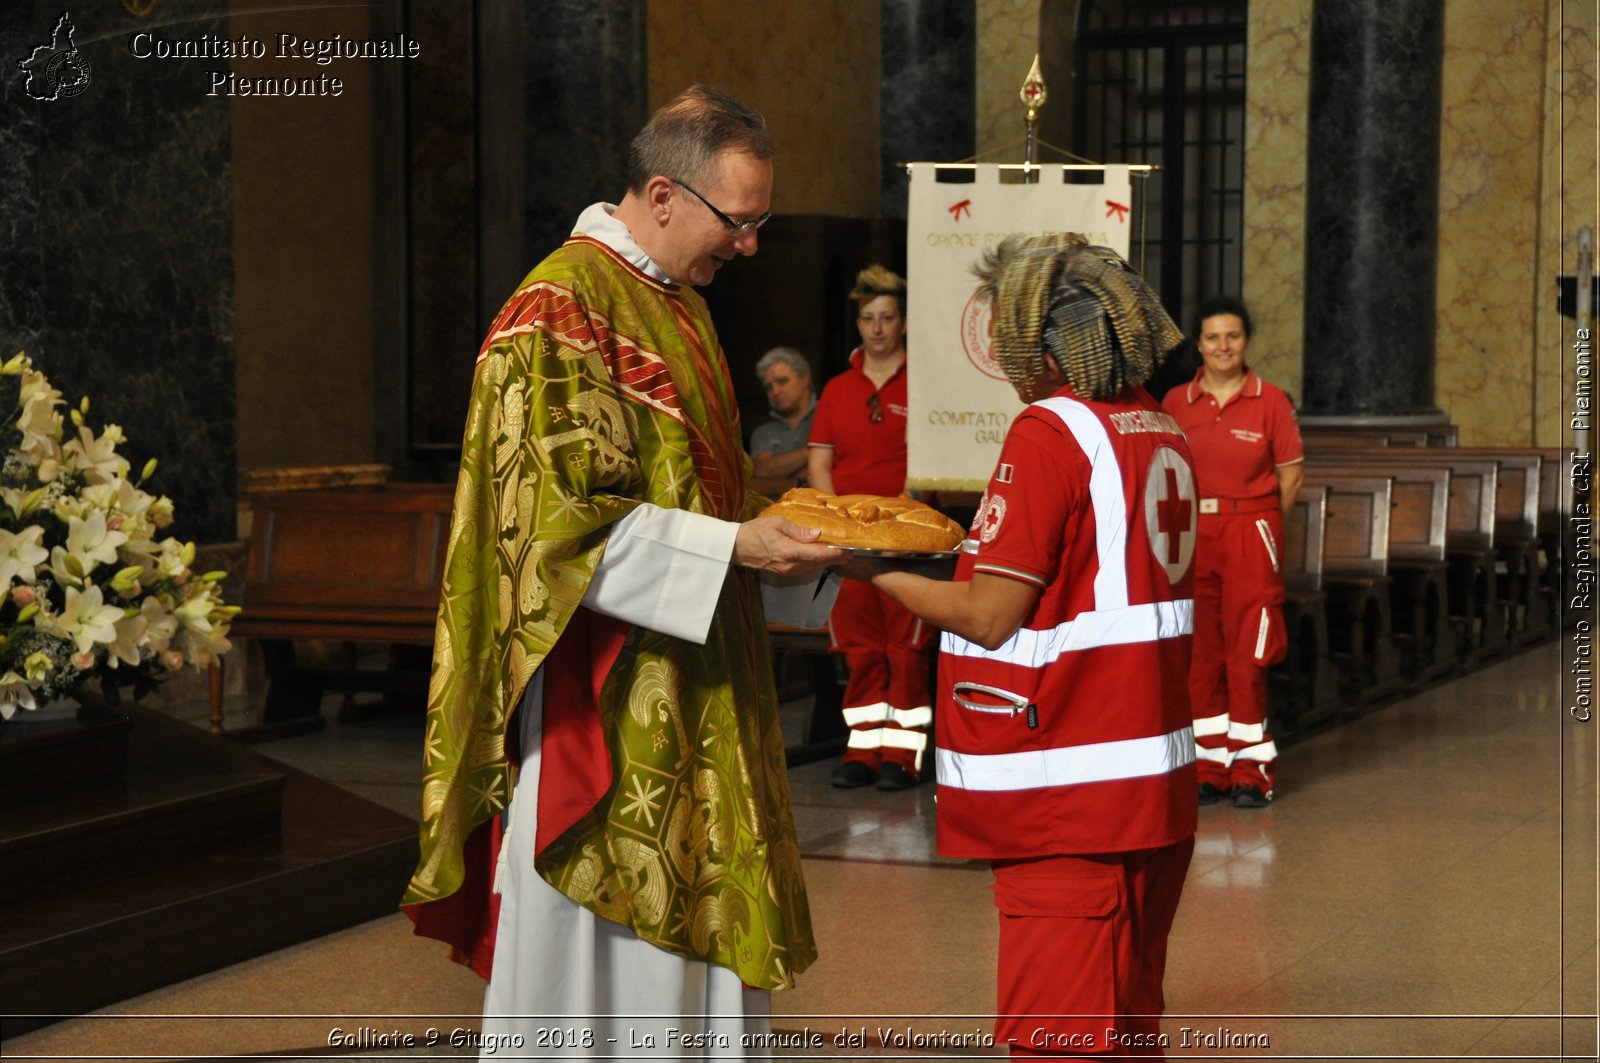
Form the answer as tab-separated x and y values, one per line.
872	522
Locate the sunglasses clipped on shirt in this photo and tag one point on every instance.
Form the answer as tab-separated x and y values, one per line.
731	225
874	409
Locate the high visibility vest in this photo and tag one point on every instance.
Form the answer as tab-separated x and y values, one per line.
1075	736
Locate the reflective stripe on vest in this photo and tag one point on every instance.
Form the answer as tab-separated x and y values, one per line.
1032	648
1034	769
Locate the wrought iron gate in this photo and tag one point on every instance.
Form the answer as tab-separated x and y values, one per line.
1162	82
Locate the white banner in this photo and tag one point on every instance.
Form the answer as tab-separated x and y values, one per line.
960	402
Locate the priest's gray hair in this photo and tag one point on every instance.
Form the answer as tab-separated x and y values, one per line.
783	356
682	140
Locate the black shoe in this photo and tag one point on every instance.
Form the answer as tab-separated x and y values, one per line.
1251	797
1210	795
893	777
852	775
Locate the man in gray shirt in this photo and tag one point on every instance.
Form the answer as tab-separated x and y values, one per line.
778	447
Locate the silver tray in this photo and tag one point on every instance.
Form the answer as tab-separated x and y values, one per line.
904	555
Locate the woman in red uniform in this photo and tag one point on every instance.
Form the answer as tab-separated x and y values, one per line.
858	446
1248	465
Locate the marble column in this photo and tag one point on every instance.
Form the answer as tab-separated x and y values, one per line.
22	256
562	90
1372	209
927	103
506	147
116	265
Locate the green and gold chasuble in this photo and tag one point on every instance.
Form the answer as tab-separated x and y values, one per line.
598	389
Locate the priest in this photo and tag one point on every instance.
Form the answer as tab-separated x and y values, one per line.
606	829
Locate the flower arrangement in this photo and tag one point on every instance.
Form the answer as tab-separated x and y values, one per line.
90	592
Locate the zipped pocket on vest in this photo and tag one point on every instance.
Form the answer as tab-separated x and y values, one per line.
1001	702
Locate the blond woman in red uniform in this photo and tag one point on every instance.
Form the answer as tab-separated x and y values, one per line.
858	446
1248	463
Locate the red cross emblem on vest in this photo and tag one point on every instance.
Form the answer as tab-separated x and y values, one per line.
1170	507
1174	515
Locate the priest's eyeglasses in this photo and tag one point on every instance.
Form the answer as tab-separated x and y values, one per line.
732	226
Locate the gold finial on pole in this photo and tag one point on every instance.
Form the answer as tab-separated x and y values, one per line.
1033	96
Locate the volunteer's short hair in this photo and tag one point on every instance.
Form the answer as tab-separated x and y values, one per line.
783	356
683	139
878	280
1223	304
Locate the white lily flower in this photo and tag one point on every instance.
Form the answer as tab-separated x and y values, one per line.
160	624
37	666
66	507
125	646
195	613
89	539
15	693
201	647
101	495
169	562
86	619
133	501
39	421
95	457
21	554
161	512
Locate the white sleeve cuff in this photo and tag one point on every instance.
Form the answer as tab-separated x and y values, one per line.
663	570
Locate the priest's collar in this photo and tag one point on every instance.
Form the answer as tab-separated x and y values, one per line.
597	223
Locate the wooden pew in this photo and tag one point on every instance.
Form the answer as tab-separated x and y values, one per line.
358	566
826	732
1516	535
1433	435
1429	640
1474	595
1356	574
1517	553
1311	679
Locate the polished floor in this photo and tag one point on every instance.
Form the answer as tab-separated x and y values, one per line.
1425	887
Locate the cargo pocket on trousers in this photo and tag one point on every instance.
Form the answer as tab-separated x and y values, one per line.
1058	958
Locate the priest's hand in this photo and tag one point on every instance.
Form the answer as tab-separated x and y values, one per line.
779	546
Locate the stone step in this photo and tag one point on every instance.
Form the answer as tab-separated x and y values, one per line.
100	935
167	797
44	754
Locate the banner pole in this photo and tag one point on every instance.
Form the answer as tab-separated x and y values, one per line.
1033	96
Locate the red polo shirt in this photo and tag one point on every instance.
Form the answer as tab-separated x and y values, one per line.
1237	446
868	458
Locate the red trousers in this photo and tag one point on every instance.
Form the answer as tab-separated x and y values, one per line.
887	703
1238	633
1083	950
